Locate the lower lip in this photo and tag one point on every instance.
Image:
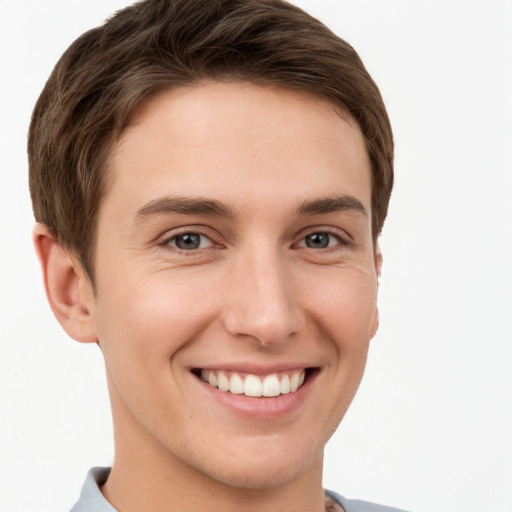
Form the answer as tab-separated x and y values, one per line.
260	408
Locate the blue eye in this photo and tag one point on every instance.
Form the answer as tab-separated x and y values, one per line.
320	240
189	241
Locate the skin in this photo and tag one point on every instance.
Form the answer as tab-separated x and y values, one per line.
253	294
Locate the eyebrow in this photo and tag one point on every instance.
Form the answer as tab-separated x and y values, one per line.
184	206
212	207
332	204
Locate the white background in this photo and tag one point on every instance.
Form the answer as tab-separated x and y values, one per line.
431	428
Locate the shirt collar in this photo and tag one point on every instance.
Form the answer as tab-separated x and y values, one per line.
91	499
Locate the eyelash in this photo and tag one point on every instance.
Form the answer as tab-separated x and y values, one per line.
342	241
169	241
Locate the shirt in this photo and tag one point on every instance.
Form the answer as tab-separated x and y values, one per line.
91	499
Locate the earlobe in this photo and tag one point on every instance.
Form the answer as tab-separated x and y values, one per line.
68	289
375	325
378	270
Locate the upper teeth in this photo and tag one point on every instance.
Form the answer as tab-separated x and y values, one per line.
254	385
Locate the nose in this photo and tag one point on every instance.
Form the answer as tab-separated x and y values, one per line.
261	301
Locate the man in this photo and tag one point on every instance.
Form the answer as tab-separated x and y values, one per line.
209	180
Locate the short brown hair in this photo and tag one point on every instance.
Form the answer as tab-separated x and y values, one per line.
155	45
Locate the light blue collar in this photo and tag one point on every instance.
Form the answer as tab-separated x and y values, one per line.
91	499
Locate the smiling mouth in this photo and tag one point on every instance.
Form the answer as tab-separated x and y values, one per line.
271	385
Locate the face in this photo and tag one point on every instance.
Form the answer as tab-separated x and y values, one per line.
235	259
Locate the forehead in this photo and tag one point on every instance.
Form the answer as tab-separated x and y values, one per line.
222	138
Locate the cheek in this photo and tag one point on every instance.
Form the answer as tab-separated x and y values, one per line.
346	303
147	320
142	325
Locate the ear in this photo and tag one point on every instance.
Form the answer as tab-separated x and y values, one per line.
68	289
377	257
378	269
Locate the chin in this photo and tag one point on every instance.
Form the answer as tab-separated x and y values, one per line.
255	477
265	469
